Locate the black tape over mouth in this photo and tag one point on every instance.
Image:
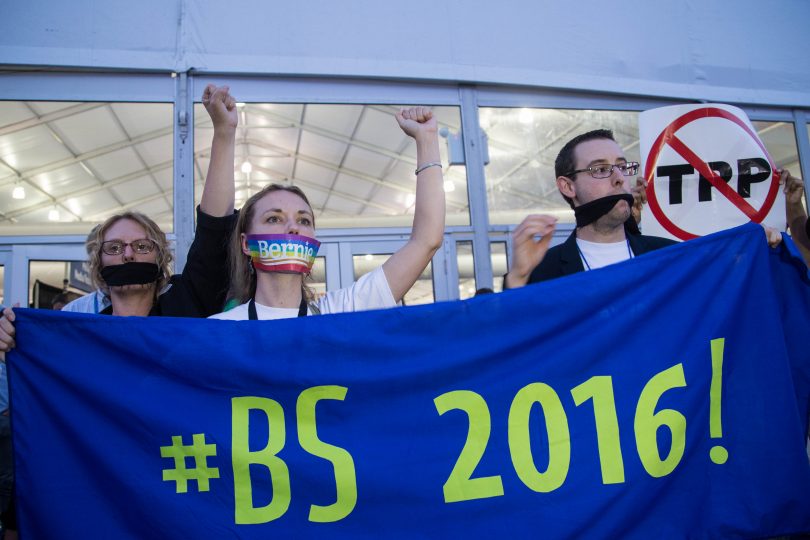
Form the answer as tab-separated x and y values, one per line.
131	273
590	212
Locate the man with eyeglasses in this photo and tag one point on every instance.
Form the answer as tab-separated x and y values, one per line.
593	176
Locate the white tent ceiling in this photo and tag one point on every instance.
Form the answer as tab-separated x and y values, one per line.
90	160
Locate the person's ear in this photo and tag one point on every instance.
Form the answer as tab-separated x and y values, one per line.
567	187
243	240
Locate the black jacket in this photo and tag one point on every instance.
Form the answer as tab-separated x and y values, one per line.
564	259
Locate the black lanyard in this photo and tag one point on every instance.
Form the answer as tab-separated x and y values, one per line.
253	316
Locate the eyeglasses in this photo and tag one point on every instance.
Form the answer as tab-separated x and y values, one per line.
116	247
604	171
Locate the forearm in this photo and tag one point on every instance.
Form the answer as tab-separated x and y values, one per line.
219	191
796	220
798	231
405	266
429	209
205	274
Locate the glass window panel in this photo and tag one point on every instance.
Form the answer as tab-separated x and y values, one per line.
46	280
780	140
466	270
420	293
317	278
465	261
66	166
499	264
523	144
353	162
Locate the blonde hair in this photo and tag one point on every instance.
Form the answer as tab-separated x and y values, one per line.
153	233
243	276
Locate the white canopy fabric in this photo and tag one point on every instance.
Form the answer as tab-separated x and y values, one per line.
740	51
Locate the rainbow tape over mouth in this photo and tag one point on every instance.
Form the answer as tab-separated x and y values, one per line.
282	252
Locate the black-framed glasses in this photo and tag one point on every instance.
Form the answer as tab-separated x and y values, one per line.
117	247
604	171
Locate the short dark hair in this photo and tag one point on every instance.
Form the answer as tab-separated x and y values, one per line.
564	163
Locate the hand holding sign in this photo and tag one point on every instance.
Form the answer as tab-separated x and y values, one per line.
794	187
639	198
796	214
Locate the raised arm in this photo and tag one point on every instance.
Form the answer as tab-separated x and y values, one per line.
219	192
405	266
795	213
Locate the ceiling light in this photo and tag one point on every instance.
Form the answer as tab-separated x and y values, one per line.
369	256
247	168
449	186
18	192
53	215
525	116
74	206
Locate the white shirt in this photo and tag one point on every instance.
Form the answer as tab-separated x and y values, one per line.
95	302
597	254
371	291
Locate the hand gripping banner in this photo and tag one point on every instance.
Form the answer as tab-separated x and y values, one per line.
663	397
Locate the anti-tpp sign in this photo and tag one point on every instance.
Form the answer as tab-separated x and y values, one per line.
707	171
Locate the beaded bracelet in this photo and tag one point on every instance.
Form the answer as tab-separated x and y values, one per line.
427	166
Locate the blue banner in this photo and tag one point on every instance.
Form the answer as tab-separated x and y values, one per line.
663	397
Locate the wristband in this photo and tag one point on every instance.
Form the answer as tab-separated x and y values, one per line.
427	166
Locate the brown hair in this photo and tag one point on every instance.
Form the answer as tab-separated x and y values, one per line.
243	276
153	233
564	164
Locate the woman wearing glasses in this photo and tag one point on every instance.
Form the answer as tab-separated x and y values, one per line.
130	258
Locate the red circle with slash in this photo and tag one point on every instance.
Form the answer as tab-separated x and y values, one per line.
669	137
